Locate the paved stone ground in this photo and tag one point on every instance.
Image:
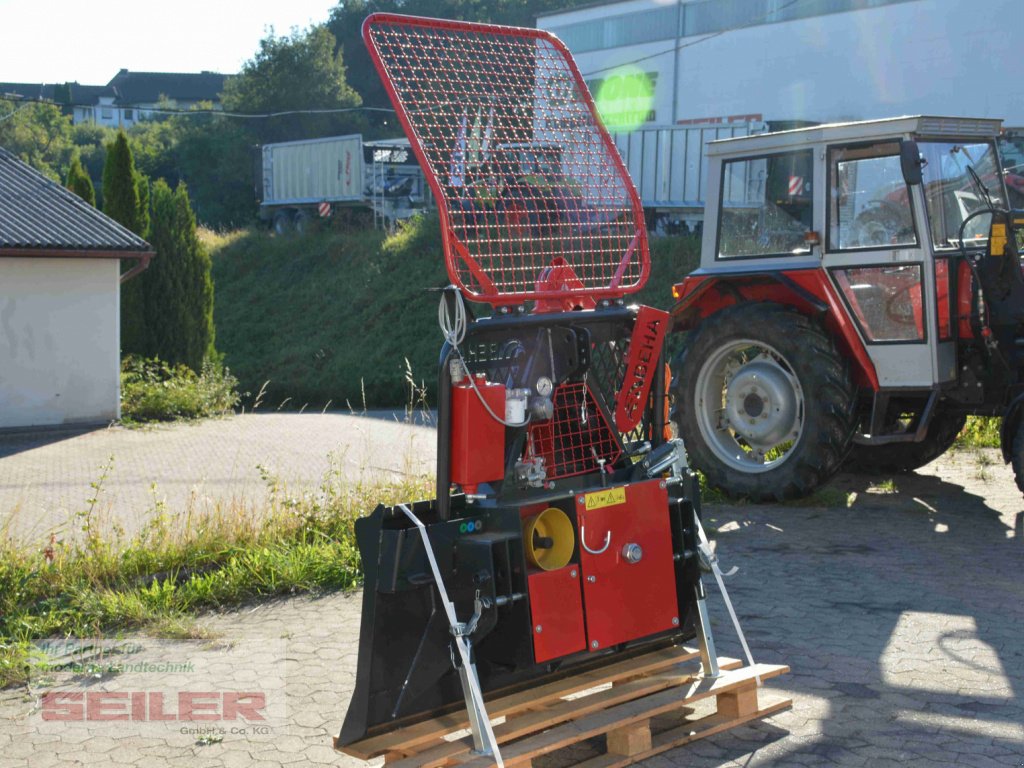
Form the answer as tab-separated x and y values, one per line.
902	619
45	476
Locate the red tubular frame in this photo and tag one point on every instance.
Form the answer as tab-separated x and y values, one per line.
459	261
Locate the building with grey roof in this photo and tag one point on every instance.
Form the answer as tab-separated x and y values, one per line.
127	98
61	266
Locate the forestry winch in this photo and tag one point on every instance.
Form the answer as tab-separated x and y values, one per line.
565	532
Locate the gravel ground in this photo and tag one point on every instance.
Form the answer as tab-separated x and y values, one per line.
46	477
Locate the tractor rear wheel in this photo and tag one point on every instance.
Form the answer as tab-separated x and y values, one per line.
906	457
763	402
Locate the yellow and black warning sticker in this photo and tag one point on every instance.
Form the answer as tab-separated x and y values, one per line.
997	239
606	498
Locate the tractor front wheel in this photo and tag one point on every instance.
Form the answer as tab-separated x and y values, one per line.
763	402
906	457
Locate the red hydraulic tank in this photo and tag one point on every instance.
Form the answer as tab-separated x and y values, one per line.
478	439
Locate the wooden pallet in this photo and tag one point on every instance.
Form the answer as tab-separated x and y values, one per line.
638	707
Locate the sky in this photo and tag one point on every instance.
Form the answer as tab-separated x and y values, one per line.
54	41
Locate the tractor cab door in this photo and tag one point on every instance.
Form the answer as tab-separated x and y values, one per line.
875	256
961	184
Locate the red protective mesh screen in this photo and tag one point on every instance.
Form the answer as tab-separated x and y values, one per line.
521	167
576	438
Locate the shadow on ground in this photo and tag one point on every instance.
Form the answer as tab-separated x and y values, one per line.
901	619
15	441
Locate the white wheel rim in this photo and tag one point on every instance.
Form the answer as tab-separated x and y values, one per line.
749	406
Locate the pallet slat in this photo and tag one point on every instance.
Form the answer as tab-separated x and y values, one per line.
601	722
636	707
692	731
561	711
408	738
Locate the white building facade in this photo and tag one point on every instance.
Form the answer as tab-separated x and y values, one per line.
59	341
106	112
720	61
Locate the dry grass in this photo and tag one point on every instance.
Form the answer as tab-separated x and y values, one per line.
99	582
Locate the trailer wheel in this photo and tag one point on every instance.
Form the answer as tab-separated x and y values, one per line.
303	221
282	223
906	457
764	402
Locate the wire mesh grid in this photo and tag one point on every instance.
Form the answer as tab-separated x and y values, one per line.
577	439
521	167
607	376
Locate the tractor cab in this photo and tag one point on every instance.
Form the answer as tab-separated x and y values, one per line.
882	243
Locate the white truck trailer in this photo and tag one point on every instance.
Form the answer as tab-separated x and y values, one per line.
668	167
297	181
300	180
667	164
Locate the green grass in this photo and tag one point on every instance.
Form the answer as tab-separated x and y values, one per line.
332	316
979	432
100	582
887	486
326	317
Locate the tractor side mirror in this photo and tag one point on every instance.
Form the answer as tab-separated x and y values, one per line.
910	162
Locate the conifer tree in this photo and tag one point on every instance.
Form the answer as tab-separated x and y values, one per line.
142	212
163	309
120	191
78	181
178	286
198	285
121	186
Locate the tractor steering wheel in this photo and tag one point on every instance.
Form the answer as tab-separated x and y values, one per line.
881	224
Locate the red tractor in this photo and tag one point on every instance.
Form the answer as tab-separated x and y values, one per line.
859	296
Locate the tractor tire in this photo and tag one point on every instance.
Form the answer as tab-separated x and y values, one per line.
764	402
1017	457
906	457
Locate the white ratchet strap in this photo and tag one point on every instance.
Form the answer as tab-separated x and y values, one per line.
460	641
713	559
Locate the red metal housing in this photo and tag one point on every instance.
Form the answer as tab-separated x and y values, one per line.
627	570
478	439
645	348
556	610
626	600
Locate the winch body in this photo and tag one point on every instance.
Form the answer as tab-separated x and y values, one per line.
587	560
564	528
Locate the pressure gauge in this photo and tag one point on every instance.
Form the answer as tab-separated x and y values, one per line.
544	386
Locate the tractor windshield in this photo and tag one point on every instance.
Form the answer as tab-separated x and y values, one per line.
959	179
